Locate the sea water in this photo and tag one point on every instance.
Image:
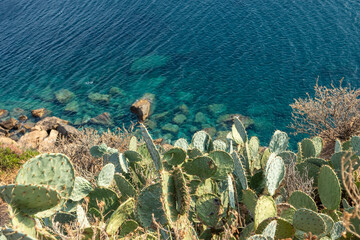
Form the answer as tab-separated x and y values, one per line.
252	56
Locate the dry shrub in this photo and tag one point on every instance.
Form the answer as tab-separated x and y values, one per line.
348	174
78	148
295	181
333	113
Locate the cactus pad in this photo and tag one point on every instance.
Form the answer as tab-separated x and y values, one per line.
202	141
168	196
257	237
175	156
250	199
279	142
318	144
337	230
239	170
219	145
287	156
107	199
118	160
149	203
300	199
281	229
133	156
203	167
209	209
53	169
329	222
123	212
98	151
30	199
224	163
133	144
265	208
182	143
127	227
21	222
82	188
155	155
307	148
286	211
12	234
181	191
329	188
238	132
125	187
106	176
274	174
309	221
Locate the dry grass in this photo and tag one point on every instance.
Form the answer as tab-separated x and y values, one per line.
78	149
333	113
294	181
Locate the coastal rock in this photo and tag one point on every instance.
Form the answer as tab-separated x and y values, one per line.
160	116
201	118
7	141
102	119
9	124
3	131
179	119
40	113
48	144
184	109
72	107
33	139
99	98
170	128
149	62
64	96
141	108
49	123
3	113
216	109
17	134
228	119
67	131
28	125
115	91
23	118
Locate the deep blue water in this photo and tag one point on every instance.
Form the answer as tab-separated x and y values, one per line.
253	56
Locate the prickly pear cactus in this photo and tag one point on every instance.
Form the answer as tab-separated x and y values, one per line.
307	221
203	167
238	132
274	173
175	156
202	141
106	176
125	187
133	156
219	145
82	188
182	143
329	188
224	163
279	142
122	213
239	170
155	155
300	199
103	200
182	192
307	149
265	208
209	209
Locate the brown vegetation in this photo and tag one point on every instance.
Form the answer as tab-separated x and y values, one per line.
333	113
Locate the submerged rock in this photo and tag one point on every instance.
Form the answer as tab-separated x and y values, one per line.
179	119
40	113
216	109
149	62
115	91
184	109
170	128
3	113
23	118
150	124
102	119
17	112
160	116
201	118
72	107
99	98
64	96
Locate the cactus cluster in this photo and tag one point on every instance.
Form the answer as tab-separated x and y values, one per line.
204	189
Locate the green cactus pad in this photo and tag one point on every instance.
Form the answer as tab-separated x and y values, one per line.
108	197
219	145
206	186
274	174
203	167
202	141
265	208
194	153
30	199
329	222
81	217
155	155
182	143
337	230
311	169
270	229
286	211
168	196
317	161
287	156
300	199
21	222
99	150
284	229
149	203
318	144
253	147
182	192
250	200
125	187
175	156
209	209
355	144
309	221
231	192
329	188
336	161
12	234
133	156
118	160
279	142
257	237
133	144
224	163
106	176
82	188
338	146
122	213
53	169
127	227
239	170
238	132
307	148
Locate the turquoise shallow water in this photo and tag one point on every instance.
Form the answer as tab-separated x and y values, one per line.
254	56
